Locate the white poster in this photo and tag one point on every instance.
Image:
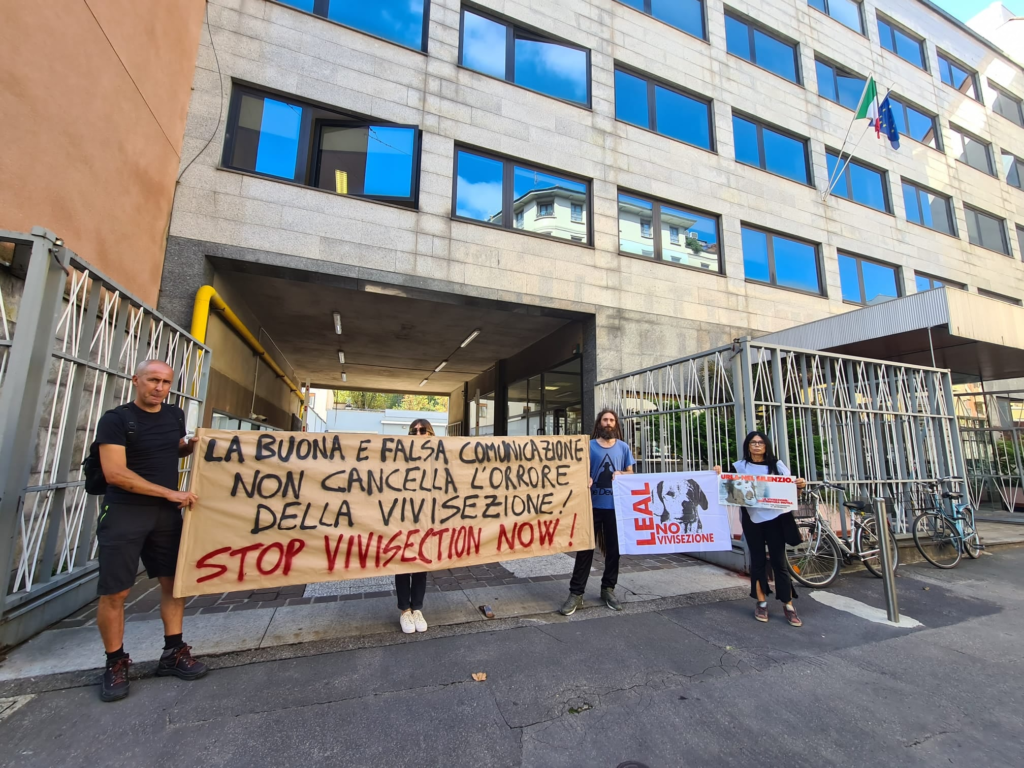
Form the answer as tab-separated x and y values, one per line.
767	491
665	513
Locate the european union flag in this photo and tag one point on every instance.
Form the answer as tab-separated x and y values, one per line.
886	124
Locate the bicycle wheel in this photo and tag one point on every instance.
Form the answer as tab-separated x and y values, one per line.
815	561
937	539
971	540
867	541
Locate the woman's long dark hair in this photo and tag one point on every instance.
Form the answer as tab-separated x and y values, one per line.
422	423
617	434
769	452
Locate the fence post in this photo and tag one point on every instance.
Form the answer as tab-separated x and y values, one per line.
892	608
25	385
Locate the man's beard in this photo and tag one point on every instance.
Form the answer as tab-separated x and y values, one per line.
607	433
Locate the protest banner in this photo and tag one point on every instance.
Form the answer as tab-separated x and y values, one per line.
280	508
666	513
766	491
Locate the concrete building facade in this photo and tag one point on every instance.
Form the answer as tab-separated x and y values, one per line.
724	115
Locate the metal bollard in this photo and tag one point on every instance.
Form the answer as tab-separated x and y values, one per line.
888	579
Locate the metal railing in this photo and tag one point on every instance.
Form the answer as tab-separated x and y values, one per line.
879	429
77	339
992	430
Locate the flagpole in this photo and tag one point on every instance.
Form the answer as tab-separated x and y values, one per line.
841	170
831	181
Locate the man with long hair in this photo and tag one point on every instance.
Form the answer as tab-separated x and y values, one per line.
609	456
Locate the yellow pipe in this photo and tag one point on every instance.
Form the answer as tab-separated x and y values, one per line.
208	300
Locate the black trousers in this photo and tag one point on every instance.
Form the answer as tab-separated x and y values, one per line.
410	588
758	537
604	525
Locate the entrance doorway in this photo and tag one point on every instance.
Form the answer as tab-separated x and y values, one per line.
550	403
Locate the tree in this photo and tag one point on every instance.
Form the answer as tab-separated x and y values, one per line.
424	403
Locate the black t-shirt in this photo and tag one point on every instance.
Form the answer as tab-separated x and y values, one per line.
153	453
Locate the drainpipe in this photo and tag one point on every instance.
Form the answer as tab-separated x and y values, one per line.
207	301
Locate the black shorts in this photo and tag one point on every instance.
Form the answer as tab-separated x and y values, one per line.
127	532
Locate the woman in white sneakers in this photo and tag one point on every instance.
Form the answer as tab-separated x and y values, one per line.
411	587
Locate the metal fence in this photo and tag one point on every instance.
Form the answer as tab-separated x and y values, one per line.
876	428
76	341
992	430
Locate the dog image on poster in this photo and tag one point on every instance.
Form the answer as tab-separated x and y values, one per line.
682	500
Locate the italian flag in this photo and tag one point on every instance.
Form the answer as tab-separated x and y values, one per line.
868	107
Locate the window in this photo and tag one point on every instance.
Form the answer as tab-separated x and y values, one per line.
662	108
1020	239
927	282
542	64
867	282
686	237
770	149
986	230
1013	167
687	15
1007	105
761	47
504	193
577	213
344	154
959	77
927	208
905	45
400	21
915	123
777	260
971	150
999	297
859	183
838	84
844	11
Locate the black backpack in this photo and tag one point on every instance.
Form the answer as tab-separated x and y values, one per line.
92	469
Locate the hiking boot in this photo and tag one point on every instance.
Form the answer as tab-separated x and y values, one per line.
571	604
179	663
791	617
761	612
608	596
115	680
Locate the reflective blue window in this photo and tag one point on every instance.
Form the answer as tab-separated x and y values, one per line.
867	282
927	208
636	224
631	99
914	123
782	261
770	149
849	279
478	188
927	282
958	77
858	183
265	136
846	12
538	63
839	85
302	5
687	15
400	21
901	43
761	47
376	161
668	233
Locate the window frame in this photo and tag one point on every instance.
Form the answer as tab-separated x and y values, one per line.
314	114
834	67
322	7
1019	103
1020	239
860	12
646	11
941	282
655	223
988	150
886	192
509	165
894	25
897	271
944	58
652	108
968	210
936	123
772	273
950	208
513	26
761	125
754	25
1017	161
1000	297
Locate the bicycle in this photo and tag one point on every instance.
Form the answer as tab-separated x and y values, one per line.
942	538
816	560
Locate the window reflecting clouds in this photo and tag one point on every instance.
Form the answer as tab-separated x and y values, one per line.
668	233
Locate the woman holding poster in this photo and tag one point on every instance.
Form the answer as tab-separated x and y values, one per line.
765	527
411	587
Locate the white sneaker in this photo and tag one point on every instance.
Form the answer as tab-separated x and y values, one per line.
419	621
408	622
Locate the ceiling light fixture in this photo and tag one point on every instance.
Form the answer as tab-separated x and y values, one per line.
341	356
469	338
423	383
337	323
442	365
344	376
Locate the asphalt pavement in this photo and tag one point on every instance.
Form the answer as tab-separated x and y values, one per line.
661	685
